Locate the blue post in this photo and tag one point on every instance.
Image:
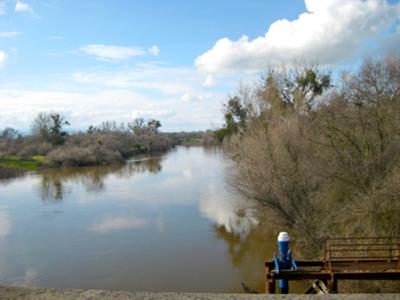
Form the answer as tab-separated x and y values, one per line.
285	262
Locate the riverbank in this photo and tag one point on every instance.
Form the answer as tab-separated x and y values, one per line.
107	146
11	293
21	164
14	166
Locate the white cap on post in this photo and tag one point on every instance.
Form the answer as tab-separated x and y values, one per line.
283	237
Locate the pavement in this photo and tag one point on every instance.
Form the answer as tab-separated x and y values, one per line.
11	293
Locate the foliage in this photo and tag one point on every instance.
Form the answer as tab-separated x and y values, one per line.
221	133
49	127
153	125
281	93
235	115
9	133
322	159
108	143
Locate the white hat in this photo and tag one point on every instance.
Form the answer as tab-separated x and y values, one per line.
283	237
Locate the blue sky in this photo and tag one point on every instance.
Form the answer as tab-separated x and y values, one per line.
172	60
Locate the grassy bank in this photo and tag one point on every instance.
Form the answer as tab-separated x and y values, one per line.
15	166
22	164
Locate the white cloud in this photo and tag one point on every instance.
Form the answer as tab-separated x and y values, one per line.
118	223
190	97
209	81
144	90
330	31
129	80
8	34
3	58
178	93
87	108
21	6
81	109
111	53
167	80
186	97
154	50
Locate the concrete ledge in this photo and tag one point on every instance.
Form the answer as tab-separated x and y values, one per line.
11	293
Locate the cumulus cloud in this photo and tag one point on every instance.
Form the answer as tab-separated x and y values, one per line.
118	223
154	50
111	53
330	31
21	6
8	34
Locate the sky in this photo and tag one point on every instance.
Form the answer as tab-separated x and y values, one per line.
176	61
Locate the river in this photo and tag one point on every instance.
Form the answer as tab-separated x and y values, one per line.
163	223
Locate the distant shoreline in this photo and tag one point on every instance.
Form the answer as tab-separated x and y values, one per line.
14	167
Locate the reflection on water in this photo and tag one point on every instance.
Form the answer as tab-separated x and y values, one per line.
8	175
229	214
5	224
52	186
158	224
118	223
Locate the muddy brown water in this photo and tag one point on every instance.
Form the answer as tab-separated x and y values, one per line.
164	223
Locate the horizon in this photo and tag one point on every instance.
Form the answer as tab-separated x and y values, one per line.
176	62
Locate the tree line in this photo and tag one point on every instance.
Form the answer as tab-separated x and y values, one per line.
320	155
50	143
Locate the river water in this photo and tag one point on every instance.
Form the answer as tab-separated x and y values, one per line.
165	223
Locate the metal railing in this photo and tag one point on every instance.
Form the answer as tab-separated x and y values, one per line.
355	249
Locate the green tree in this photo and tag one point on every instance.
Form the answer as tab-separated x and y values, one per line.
50	128
153	125
92	129
294	91
10	133
235	114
